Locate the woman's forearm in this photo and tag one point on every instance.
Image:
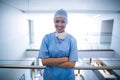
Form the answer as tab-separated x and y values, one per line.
54	61
67	64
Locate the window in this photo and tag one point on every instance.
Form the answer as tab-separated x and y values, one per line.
31	32
84	27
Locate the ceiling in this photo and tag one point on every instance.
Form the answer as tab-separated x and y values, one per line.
36	6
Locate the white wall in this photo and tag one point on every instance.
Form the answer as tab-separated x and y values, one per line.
116	34
115	43
13	39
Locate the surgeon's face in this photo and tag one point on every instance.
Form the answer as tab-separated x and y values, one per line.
60	24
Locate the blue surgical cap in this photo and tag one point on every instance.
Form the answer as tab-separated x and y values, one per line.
61	13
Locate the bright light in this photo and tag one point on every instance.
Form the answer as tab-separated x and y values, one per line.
85	28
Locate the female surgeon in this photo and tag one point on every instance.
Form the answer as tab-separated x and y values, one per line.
58	51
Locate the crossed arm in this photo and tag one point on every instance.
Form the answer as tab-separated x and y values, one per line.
60	62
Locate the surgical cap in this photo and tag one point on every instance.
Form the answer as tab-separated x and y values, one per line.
61	13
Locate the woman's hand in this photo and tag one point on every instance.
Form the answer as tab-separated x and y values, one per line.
65	59
67	64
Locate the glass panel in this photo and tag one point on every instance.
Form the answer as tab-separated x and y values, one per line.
89	29
37	74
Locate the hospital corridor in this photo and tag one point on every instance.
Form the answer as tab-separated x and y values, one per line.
32	32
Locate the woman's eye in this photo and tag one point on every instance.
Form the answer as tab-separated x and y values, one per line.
57	21
63	21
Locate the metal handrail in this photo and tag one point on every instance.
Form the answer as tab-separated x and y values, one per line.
76	67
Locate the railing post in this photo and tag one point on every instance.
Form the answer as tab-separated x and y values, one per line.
33	74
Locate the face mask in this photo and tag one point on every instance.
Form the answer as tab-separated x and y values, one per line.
61	35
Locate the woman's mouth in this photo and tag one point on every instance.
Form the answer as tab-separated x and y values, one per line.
60	28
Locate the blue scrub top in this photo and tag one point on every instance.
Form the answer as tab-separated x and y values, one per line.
52	48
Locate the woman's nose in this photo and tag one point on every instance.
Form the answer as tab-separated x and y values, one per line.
59	24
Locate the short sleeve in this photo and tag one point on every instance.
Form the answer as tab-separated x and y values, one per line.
43	53
73	50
